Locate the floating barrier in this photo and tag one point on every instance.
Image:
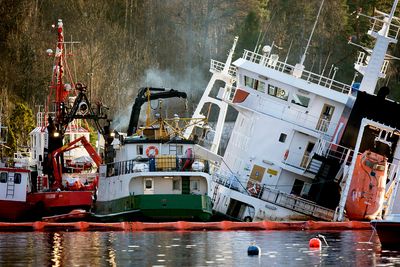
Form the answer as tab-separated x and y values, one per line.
182	226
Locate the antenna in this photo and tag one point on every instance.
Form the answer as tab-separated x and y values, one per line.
303	58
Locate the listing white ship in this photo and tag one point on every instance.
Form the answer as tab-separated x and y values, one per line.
293	140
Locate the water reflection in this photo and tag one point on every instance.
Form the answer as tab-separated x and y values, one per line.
208	248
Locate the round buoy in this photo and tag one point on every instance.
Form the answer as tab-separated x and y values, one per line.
315	243
253	250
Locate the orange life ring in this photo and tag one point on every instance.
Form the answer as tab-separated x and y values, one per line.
152	151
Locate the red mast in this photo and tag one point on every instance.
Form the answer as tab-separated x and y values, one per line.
59	73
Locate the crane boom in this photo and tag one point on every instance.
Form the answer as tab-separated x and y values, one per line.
142	97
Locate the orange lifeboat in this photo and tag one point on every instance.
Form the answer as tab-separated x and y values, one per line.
367	188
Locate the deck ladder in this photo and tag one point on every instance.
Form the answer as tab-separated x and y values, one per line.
10	186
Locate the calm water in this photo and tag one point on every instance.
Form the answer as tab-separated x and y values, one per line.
213	248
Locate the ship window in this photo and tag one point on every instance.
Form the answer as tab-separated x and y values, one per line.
17	178
282	138
139	150
300	100
195	185
176	185
277	92
248	81
3	177
179	150
254	83
148	184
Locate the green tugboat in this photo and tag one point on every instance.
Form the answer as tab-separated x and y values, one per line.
153	173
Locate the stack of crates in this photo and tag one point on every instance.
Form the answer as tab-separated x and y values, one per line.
165	163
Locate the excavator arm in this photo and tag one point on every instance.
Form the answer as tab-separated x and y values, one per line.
142	97
57	167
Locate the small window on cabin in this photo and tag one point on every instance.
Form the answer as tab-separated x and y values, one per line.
148	184
277	92
176	185
282	138
179	149
17	178
261	87
3	177
300	100
195	185
139	150
248	81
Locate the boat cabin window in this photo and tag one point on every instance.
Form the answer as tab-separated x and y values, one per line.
179	149
282	138
17	178
139	150
3	177
278	92
301	100
148	184
254	83
176	185
194	185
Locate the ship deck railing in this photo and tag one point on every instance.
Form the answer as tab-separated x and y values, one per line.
277	197
377	24
217	66
271	61
163	163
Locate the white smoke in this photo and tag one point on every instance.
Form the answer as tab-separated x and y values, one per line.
190	82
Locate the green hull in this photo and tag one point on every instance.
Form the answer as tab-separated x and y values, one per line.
155	208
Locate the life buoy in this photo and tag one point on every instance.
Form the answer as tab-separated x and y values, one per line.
286	154
152	151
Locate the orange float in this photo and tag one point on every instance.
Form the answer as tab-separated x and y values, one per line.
182	226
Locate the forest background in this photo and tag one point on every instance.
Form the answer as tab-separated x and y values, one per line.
128	44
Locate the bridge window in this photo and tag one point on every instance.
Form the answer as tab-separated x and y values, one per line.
17	178
254	83
300	100
3	177
278	92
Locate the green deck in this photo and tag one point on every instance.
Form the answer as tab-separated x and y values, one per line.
165	207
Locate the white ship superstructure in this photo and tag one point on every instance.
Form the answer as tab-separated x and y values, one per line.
289	121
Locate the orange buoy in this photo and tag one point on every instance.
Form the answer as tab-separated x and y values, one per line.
315	243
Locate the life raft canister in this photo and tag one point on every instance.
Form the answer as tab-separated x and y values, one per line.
152	151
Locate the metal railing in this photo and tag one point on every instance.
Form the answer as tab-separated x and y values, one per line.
270	61
217	66
377	25
276	197
158	164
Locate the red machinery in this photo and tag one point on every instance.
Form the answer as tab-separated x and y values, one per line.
57	167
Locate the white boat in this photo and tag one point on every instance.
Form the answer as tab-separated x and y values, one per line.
296	131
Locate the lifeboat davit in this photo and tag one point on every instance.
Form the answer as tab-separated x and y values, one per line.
367	188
